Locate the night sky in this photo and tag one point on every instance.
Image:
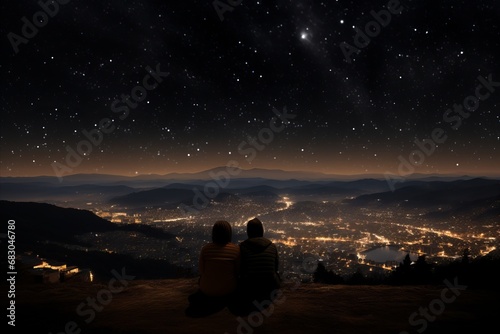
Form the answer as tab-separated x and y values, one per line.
352	107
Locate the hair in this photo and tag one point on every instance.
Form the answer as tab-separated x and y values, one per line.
255	228
221	232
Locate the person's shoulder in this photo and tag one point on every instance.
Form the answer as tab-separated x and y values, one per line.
272	242
207	246
232	246
245	244
272	245
232	249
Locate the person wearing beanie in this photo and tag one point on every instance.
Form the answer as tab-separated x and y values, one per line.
219	265
259	265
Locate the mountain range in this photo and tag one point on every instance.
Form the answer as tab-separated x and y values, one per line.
444	195
145	180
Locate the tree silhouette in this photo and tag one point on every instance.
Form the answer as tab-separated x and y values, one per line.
402	274
357	278
406	265
465	256
422	271
321	275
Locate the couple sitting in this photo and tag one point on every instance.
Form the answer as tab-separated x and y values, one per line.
238	277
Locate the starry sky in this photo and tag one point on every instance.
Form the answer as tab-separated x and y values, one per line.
138	87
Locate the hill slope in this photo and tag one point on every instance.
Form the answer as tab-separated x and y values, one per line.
157	306
42	221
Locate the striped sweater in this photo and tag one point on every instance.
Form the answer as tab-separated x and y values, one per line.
219	269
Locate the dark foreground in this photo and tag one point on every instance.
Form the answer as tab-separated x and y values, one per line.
158	306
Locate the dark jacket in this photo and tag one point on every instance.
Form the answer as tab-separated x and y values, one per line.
259	265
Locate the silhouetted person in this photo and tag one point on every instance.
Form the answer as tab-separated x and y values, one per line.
219	265
259	266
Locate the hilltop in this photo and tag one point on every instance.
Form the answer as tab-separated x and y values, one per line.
157	306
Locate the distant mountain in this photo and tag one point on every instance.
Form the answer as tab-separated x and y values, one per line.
236	183
479	210
263	194
139	191
157	180
264	188
188	186
184	193
46	221
52	232
363	185
365	191
37	222
68	180
205	175
154	197
48	192
274	174
428	194
225	197
321	193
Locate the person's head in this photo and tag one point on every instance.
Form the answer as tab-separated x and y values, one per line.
255	228
221	232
